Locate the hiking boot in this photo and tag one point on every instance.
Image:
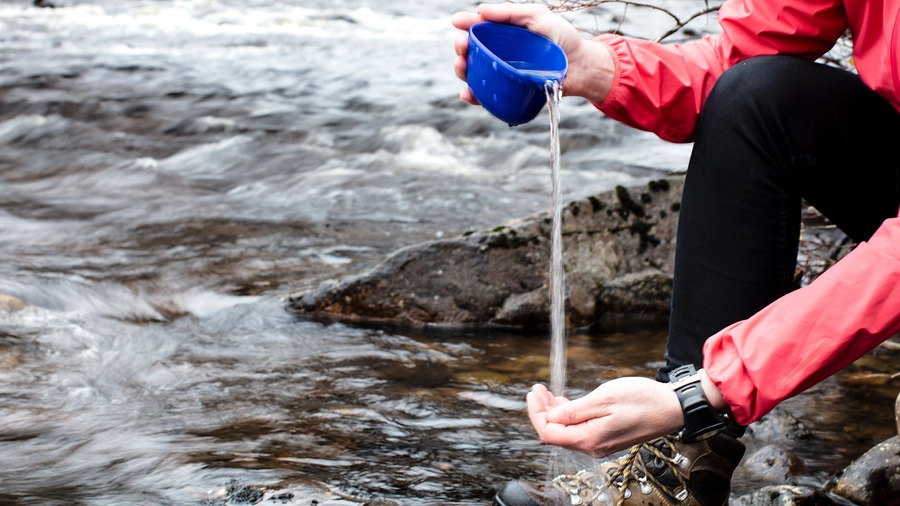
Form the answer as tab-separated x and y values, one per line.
663	472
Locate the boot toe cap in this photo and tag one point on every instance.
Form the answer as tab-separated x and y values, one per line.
519	493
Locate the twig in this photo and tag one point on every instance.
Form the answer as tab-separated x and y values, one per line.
840	56
575	5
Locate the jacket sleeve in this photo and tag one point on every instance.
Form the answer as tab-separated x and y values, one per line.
811	333
662	87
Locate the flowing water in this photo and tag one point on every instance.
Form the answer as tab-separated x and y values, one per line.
557	271
169	169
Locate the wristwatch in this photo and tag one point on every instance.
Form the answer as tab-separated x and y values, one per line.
701	420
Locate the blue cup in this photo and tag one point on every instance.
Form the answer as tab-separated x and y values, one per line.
508	68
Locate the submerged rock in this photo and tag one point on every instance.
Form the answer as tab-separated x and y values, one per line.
9	303
774	464
619	255
874	478
242	494
785	495
778	426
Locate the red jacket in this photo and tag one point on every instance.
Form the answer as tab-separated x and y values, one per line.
809	334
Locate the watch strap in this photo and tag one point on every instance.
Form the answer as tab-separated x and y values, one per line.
701	420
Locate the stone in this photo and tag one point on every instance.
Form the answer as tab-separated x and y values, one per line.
524	308
774	464
778	426
647	292
874	478
619	253
619	257
897	414
11	304
243	494
784	495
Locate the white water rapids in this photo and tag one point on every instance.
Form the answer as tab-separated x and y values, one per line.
169	169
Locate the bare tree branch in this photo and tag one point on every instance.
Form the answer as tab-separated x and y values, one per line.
576	5
840	56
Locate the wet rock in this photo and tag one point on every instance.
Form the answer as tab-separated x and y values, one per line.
242	494
203	125
286	497
785	495
524	308
8	303
647	292
874	478
870	378
774	464
897	414
778	426
619	254
821	245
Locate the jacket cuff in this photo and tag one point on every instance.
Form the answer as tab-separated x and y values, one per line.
617	54
811	333
730	376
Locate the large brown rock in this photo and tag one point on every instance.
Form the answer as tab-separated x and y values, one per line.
874	478
774	464
779	427
619	254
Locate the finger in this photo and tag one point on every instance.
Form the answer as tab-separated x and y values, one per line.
459	66
461	44
578	411
540	389
571	437
540	398
466	96
463	20
537	411
515	14
547	397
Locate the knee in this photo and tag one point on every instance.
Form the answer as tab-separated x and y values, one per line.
757	84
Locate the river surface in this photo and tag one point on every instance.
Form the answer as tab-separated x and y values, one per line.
169	170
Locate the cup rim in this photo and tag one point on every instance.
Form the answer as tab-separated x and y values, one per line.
509	69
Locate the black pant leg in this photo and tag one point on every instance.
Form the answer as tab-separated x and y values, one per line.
773	130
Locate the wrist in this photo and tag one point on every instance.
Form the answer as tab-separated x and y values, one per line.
592	71
713	394
701	418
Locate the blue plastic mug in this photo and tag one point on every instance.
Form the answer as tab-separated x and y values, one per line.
508	68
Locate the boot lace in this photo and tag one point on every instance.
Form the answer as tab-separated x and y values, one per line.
579	488
582	491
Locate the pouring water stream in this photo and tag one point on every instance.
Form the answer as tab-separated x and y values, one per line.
557	273
558	343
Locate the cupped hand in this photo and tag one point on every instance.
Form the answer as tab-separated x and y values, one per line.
535	17
615	416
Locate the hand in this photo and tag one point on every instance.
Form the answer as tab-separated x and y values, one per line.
591	68
618	414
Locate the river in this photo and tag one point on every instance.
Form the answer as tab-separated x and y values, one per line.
169	170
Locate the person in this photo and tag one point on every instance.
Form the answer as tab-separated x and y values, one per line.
770	127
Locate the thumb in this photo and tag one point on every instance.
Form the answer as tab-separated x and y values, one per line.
526	15
575	412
